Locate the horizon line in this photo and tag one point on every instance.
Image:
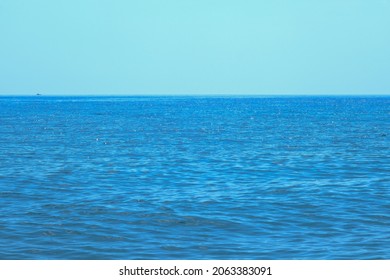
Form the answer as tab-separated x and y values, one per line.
40	94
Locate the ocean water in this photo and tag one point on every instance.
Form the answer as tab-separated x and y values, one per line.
194	178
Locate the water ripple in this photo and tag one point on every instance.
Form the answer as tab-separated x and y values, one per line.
194	178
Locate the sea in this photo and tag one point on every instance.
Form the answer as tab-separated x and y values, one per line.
195	177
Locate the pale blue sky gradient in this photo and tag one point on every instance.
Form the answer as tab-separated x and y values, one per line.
194	47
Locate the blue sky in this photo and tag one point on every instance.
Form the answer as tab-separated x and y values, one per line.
194	47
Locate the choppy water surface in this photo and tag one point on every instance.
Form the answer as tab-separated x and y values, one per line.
194	178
